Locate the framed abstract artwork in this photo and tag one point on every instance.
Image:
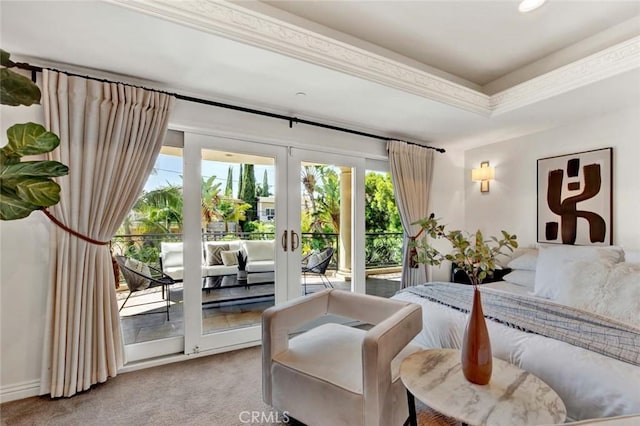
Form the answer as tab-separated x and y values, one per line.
575	197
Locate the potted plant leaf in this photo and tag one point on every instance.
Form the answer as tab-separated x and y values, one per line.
25	186
478	258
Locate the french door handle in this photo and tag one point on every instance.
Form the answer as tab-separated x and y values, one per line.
283	240
295	240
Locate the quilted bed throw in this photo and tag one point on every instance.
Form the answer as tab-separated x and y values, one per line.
579	328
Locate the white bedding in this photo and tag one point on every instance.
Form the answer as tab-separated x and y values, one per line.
591	385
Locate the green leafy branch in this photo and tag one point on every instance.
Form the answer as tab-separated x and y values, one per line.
472	253
25	186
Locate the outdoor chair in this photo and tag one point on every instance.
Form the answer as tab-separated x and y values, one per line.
334	374
140	276
316	264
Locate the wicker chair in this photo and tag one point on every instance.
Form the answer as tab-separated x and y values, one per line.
316	264
140	276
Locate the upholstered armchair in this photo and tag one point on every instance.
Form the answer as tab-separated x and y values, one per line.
334	374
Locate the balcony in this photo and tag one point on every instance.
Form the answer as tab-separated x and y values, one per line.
383	261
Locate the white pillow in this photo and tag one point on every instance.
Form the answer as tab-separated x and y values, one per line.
137	282
259	250
611	290
521	277
621	298
171	254
229	257
582	283
551	259
632	256
525	259
313	260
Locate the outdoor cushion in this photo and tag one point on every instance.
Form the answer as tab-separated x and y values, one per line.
259	249
214	256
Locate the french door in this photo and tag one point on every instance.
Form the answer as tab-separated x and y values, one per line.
222	312
326	199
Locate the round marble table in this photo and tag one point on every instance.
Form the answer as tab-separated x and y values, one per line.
512	397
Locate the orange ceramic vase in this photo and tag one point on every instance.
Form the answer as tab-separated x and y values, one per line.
476	347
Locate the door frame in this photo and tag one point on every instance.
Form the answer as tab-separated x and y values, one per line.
195	340
294	167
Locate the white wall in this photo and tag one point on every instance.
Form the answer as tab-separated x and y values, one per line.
24	272
511	202
24	244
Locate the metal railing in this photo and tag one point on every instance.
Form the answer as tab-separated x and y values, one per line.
382	250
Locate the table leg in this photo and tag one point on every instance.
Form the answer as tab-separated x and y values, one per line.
413	419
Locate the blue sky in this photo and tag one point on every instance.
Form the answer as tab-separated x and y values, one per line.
168	170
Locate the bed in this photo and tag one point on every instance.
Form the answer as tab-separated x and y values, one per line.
588	280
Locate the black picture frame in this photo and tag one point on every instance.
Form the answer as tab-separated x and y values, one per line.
575	198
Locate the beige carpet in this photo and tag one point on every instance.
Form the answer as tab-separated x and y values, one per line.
212	391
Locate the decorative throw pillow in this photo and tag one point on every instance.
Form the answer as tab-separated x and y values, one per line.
213	253
521	277
611	290
525	259
632	256
582	283
313	260
551	259
621	298
136	282
229	257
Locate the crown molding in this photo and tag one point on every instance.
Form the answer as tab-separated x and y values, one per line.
607	63
250	27
232	21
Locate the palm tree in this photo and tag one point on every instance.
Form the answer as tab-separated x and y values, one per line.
231	210
210	198
158	211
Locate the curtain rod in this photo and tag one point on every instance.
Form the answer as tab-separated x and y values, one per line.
291	120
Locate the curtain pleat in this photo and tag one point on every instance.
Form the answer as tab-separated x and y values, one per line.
110	136
411	173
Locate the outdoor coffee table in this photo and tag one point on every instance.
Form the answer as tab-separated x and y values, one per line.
512	397
228	288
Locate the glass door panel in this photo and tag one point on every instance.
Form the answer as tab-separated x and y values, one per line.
232	217
153	226
383	232
238	235
329	196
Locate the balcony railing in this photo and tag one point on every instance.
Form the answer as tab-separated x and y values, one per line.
382	250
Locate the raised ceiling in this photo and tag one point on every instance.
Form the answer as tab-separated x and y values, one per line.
478	41
447	73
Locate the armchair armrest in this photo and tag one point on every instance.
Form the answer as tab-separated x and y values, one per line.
381	345
279	321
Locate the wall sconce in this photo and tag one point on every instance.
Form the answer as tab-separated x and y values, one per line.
483	175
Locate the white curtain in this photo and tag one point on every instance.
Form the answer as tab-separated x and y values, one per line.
411	172
110	135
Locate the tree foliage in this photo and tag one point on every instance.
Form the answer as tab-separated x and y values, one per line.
247	192
381	212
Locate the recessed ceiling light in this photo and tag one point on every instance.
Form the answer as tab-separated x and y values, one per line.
529	5
301	94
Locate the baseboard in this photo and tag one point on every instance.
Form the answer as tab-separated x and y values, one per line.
19	391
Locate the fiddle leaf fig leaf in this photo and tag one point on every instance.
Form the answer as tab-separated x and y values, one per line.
16	89
29	139
12	207
4	58
44	169
42	192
